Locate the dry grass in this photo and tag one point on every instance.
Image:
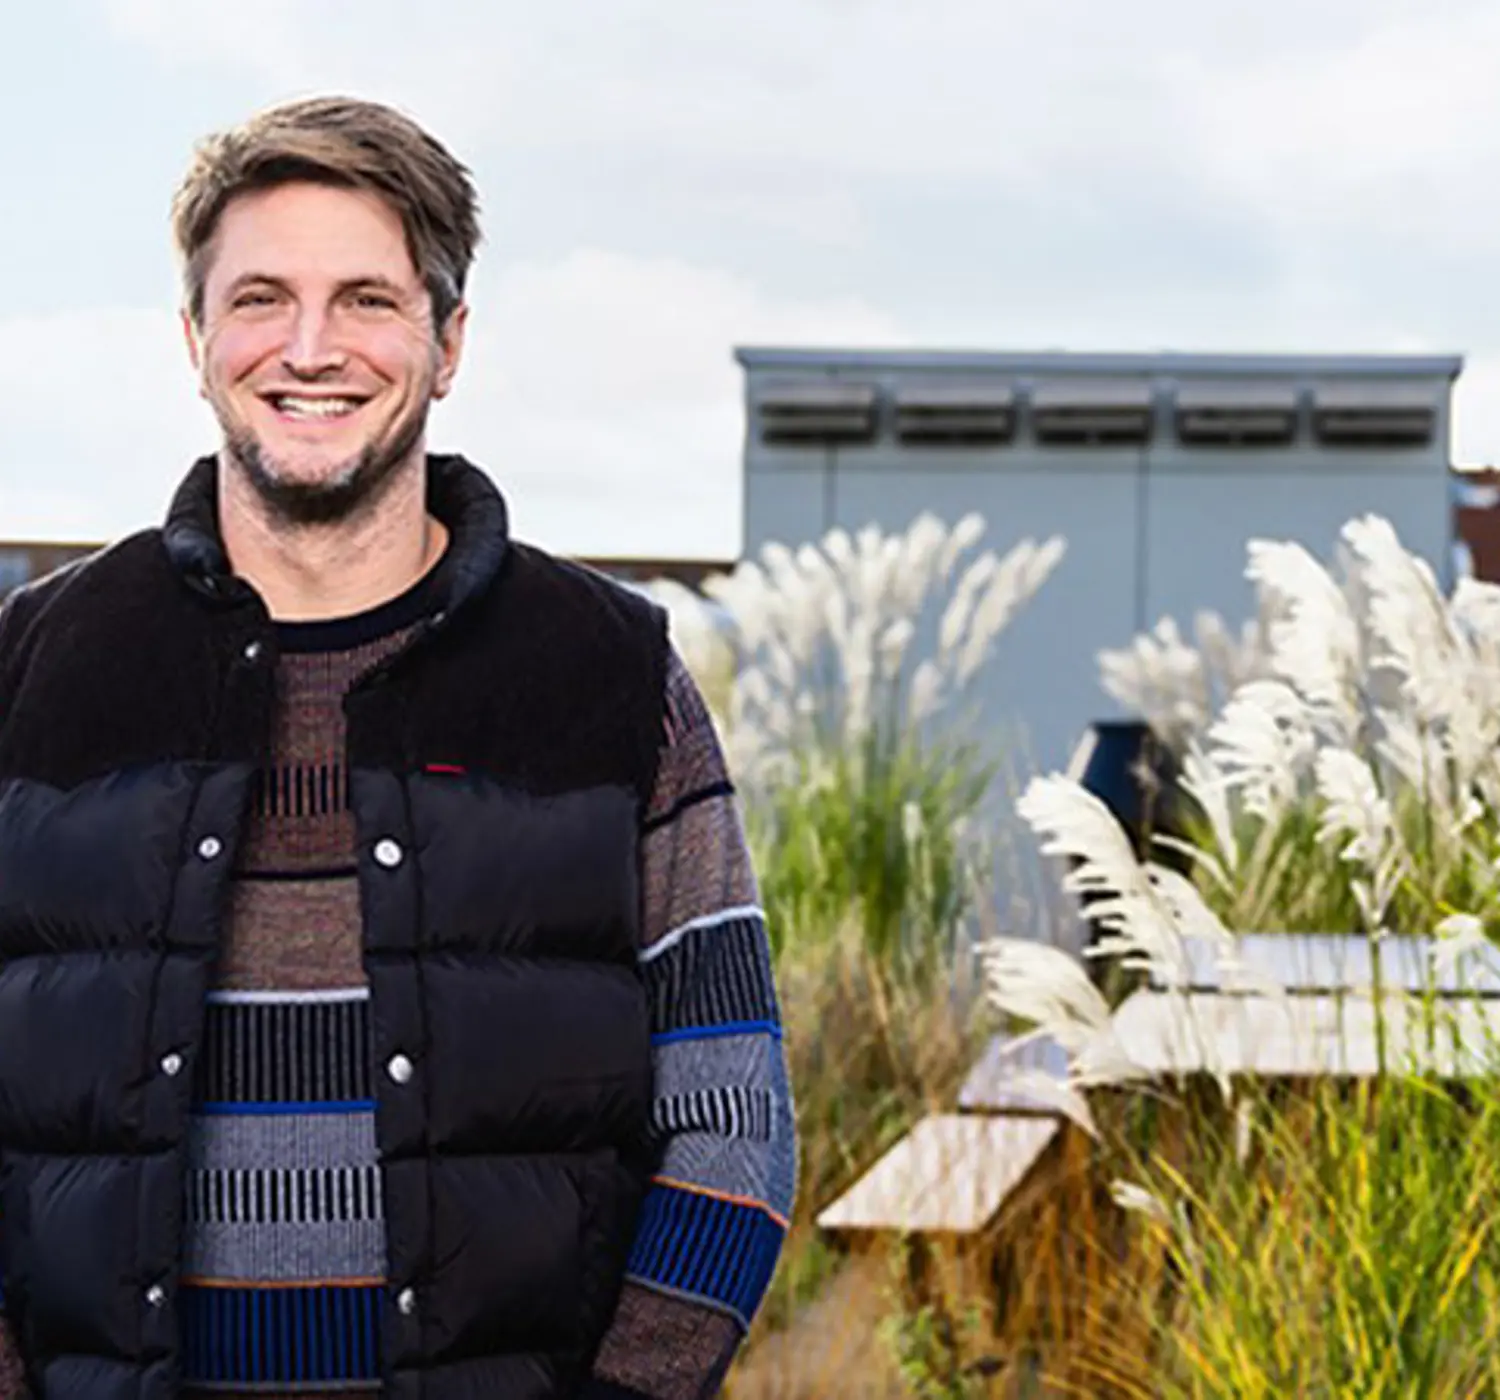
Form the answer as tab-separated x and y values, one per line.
1348	1244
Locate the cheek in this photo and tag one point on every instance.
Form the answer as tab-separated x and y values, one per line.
398	356
235	351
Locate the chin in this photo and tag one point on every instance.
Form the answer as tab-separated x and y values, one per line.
322	487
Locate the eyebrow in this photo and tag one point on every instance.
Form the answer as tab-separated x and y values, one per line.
374	282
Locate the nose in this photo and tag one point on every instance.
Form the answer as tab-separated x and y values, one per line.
311	349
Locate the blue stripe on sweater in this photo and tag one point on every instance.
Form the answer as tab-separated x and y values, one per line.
263	1110
770	1028
281	1336
708	1248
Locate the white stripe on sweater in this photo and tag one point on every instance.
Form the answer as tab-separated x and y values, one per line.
670	940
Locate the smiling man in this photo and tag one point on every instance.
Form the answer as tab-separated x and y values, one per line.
385	1004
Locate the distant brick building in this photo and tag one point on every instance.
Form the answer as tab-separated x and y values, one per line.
22	560
1476	523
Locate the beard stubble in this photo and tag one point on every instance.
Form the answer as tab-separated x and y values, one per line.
354	490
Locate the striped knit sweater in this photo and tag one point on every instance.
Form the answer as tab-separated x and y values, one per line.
284	1267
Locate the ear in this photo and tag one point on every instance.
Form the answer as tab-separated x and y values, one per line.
450	350
190	335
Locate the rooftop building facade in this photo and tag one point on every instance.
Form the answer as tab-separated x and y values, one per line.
1157	469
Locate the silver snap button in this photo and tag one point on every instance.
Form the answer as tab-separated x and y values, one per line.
406	1302
156	1295
388	853
400	1069
210	847
171	1065
252	651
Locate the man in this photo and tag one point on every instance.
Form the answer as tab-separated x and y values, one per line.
385	1008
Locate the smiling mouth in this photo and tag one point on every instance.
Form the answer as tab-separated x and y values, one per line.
303	409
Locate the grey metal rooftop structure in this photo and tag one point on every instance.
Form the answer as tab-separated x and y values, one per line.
1164	363
1157	469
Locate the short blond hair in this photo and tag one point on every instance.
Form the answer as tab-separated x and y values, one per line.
345	142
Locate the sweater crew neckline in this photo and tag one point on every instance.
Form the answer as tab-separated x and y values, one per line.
332	634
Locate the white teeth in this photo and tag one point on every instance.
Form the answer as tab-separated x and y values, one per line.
316	408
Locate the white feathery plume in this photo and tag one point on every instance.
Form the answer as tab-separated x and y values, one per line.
954	625
1197	924
963	537
1193	920
1373	895
1459	936
1063	1096
1263	743
894	641
781	568
870	580
1419	757
1161	678
1474	612
1139	1201
926	691
1354	808
913	824
1475	606
693	631
1051	991
1312	637
1022	572
1046	987
1137	926
1230	659
1405	617
1205	782
829	629
857	663
1175	686
782	663
920	553
1354	811
745	595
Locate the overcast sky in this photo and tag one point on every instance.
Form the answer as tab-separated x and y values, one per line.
666	179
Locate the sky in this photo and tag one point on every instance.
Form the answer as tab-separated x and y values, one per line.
665	180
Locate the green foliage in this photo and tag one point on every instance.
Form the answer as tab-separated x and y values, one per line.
928	1346
880	835
1348	1249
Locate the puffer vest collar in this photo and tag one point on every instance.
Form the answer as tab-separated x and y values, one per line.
458	494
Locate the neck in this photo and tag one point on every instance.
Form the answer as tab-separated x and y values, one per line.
306	573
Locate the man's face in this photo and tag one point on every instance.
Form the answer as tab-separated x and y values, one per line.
317	350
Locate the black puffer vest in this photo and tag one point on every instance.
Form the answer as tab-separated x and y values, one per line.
498	769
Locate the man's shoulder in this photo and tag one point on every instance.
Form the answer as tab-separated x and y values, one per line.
107	578
580	592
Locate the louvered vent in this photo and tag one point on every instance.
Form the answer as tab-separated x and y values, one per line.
956	415
1373	415
1233	415
1099	415
817	412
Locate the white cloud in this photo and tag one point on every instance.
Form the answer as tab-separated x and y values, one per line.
101	419
1394	135
1476	412
960	87
1292	174
599	390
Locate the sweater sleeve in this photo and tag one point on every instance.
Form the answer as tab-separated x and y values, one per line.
714	1219
12	1373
